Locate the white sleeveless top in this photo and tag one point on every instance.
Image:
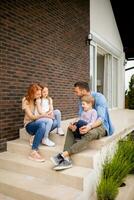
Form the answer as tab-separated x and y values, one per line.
45	104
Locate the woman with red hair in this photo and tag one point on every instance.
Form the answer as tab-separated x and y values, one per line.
32	124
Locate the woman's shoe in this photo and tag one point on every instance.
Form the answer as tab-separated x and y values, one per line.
35	156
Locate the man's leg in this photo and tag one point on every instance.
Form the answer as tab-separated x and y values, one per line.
69	141
82	144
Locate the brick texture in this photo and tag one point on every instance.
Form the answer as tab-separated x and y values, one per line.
40	41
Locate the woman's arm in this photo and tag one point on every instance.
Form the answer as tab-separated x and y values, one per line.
31	115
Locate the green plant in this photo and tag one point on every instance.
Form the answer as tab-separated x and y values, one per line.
115	169
107	189
130	94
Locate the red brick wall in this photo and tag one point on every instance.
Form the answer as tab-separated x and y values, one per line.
43	41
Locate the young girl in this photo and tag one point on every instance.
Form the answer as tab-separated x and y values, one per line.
32	124
53	117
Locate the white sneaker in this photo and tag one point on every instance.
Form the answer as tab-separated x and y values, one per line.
48	142
60	131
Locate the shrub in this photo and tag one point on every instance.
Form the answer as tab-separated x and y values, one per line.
115	169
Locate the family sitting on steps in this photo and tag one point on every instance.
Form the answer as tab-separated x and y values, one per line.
40	119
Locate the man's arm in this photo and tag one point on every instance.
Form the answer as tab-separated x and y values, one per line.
85	129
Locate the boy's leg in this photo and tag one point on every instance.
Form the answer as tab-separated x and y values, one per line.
79	124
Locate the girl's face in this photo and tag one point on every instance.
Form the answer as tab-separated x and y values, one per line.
37	94
86	106
45	92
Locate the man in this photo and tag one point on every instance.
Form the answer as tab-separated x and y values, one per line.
100	128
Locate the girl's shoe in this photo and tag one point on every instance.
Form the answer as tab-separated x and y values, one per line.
48	142
60	131
35	156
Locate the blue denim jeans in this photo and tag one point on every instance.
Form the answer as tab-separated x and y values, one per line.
57	120
79	124
48	122
37	128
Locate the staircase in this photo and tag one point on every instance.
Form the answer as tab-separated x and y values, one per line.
21	178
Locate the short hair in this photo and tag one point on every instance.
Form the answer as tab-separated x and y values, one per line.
88	99
82	85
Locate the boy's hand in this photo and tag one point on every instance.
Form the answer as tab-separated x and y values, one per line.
72	127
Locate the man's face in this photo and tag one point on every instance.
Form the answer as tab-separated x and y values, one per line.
80	92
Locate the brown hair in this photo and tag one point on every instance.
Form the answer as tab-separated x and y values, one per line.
31	91
88	99
82	85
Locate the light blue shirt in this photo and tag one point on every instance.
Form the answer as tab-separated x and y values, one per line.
102	110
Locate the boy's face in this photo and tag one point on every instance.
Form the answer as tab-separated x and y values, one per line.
86	106
45	92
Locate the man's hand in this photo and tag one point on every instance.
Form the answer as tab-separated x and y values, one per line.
84	129
72	127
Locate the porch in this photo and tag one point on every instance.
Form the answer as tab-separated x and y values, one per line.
20	177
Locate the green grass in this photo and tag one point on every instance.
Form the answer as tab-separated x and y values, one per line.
115	170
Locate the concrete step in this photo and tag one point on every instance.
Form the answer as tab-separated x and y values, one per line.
5	197
21	187
74	177
87	158
127	192
59	140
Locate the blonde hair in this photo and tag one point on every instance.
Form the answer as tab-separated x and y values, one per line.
88	99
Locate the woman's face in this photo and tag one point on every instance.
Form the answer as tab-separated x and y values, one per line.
37	94
45	92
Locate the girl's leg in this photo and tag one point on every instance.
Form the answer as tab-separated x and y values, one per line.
46	140
57	122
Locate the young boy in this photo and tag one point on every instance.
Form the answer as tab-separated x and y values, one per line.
88	115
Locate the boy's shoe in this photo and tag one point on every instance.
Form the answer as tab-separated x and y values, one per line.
60	131
48	142
64	164
35	156
57	159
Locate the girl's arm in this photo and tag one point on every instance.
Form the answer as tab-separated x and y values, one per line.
50	104
38	104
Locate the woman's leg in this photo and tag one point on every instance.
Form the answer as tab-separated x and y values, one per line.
36	128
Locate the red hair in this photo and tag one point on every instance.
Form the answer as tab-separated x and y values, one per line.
33	88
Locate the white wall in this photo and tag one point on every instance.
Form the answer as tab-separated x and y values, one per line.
105	34
102	22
